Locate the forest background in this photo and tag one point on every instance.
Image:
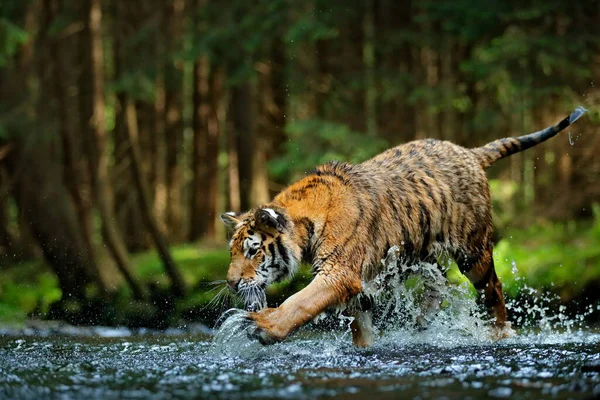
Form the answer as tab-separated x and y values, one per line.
127	127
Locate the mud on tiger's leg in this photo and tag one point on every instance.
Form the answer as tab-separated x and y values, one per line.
275	324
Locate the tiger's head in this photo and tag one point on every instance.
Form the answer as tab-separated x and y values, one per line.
262	252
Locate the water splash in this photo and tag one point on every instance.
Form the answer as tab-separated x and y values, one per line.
415	304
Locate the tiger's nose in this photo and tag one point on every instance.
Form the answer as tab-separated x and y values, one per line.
233	284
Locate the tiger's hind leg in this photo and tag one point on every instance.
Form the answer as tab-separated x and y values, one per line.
479	268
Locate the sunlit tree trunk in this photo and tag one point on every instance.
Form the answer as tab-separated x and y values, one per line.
233	169
216	82
159	135
177	283
242	136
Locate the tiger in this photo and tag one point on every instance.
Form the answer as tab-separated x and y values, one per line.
343	218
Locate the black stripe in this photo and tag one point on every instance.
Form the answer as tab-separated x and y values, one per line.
485	279
356	225
283	253
392	202
425	222
429	190
472	235
409	247
507	143
563	124
317	267
272	249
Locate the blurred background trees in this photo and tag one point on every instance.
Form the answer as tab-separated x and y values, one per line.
129	126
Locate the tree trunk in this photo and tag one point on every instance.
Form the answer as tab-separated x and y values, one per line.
37	189
242	136
212	154
97	148
370	100
158	138
36	174
125	22
173	76
201	110
233	167
177	282
72	164
7	240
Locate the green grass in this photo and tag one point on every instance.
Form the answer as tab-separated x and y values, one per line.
26	287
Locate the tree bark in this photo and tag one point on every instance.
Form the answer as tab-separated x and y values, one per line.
97	148
201	110
242	136
177	282
159	153
370	99
126	21
233	168
36	174
71	162
173	109
37	189
212	152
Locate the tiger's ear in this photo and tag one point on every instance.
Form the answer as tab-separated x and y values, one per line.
230	220
271	219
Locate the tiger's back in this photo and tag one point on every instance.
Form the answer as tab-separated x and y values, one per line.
424	196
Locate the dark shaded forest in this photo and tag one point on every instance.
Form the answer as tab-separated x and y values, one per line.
127	127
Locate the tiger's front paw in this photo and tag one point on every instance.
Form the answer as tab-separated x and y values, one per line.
269	327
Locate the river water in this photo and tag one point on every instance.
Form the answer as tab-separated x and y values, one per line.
553	356
543	365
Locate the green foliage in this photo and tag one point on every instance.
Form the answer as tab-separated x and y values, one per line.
503	202
314	142
559	257
28	287
138	84
11	38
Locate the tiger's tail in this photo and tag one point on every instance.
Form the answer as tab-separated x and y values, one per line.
494	151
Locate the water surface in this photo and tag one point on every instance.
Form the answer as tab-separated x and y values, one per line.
544	365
